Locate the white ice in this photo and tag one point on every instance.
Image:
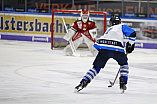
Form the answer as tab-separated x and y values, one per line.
32	73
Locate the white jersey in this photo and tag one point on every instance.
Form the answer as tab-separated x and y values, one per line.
113	38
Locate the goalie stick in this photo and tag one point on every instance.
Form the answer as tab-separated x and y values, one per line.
70	42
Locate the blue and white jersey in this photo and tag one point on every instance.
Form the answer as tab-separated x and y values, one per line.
114	36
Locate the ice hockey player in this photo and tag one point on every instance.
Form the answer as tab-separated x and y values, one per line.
82	29
110	45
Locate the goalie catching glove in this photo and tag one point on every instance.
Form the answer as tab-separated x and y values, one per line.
129	47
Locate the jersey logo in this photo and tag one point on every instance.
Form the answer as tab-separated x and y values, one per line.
84	26
79	24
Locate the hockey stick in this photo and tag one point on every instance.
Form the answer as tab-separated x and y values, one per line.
70	42
112	83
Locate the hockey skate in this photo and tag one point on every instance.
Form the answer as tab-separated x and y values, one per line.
122	85
82	85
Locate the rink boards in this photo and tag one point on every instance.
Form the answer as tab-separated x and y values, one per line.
37	28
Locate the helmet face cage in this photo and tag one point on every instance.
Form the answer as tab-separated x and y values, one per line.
115	20
84	15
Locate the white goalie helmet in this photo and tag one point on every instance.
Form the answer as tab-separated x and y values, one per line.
84	15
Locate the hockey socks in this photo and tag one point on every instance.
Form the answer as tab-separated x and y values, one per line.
91	73
87	78
124	71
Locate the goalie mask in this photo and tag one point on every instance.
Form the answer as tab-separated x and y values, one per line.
115	20
84	15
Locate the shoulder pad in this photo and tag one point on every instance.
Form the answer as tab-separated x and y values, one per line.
91	20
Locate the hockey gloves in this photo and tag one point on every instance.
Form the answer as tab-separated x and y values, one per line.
129	47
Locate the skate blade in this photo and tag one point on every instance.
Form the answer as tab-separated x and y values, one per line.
77	90
122	91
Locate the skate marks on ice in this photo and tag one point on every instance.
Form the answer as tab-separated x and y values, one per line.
58	78
46	72
67	77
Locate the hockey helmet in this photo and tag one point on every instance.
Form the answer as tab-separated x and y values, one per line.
115	20
84	15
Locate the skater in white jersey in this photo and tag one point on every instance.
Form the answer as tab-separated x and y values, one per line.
110	45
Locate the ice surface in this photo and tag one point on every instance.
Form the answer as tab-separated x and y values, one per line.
32	73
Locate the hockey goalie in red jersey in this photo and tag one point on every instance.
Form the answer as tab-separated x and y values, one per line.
82	29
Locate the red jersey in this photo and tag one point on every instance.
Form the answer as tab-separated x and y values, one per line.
80	27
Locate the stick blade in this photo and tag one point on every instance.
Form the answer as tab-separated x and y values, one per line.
111	84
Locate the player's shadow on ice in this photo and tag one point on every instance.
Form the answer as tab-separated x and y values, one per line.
99	91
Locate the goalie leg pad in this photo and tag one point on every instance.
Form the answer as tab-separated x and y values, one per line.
93	33
68	50
90	44
91	48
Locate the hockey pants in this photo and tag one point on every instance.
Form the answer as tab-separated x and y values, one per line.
102	58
